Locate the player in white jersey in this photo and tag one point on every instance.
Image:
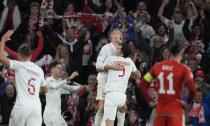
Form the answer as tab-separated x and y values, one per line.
28	80
52	112
106	51
117	84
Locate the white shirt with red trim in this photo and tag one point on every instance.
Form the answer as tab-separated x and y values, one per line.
118	80
28	79
106	51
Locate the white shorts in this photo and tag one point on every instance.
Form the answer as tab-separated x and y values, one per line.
101	91
26	117
54	120
113	101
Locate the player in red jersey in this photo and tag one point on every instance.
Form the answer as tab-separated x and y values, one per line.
170	75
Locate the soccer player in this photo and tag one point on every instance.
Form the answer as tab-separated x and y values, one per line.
52	112
117	84
28	80
115	37
171	76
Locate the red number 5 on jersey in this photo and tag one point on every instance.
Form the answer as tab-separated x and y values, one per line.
31	88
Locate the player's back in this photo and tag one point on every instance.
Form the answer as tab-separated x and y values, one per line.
170	76
29	78
118	80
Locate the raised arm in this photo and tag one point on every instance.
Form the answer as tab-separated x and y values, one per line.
141	43
39	47
160	12
171	33
195	15
11	52
4	39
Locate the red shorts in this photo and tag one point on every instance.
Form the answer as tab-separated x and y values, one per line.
169	121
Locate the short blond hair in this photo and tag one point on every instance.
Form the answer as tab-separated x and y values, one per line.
112	31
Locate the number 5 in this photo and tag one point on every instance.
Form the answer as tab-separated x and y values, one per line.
32	86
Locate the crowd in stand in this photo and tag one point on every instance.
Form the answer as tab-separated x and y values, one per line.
148	26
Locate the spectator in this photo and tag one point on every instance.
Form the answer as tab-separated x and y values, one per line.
132	119
11	17
62	56
177	20
192	64
200	111
7	101
26	31
141	24
200	82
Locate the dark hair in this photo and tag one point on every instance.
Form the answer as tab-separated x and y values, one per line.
125	50
24	51
162	24
53	64
176	48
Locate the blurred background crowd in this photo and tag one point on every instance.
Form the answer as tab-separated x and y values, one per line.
73	32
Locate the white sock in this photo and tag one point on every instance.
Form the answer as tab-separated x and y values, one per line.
98	118
120	118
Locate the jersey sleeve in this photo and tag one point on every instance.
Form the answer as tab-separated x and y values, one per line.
43	82
188	75
133	66
108	61
52	84
101	58
188	79
15	65
70	88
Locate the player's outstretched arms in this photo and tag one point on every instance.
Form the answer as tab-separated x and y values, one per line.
43	90
4	39
116	67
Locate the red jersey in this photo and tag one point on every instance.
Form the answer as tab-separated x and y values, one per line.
170	76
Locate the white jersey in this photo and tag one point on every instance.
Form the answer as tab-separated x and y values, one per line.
118	80
53	96
106	51
28	79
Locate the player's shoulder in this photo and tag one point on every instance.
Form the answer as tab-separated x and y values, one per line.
49	78
159	64
129	60
112	57
107	46
36	67
184	67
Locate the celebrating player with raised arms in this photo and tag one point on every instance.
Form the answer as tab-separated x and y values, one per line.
29	78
